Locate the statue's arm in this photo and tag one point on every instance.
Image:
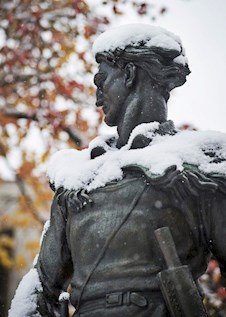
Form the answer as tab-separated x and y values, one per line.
38	292
54	263
216	231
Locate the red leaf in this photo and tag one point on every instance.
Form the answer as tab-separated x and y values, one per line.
142	9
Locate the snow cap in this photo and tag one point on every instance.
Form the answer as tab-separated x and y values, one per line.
140	35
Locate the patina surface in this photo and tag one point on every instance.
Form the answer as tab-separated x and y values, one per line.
103	242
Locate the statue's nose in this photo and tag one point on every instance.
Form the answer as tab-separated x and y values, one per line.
99	97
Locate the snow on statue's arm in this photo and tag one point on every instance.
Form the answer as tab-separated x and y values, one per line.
38	292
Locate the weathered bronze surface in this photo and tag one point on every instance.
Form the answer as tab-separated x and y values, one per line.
103	243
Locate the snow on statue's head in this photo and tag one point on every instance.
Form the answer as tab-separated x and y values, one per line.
153	49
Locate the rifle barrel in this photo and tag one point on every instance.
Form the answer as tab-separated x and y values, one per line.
167	246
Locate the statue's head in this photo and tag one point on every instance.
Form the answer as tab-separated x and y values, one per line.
125	52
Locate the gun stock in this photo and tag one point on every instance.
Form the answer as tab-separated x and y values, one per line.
177	285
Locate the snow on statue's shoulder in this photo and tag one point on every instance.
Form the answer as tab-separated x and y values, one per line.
76	170
134	34
64	166
204	149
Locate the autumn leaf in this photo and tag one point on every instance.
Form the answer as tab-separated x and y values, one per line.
20	262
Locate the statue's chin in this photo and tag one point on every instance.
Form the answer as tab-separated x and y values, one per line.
108	120
111	118
109	123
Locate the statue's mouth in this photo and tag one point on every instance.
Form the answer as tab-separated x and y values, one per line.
105	109
100	103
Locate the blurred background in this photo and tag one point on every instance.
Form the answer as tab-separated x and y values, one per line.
47	102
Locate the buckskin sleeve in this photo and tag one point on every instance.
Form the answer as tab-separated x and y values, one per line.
216	227
54	263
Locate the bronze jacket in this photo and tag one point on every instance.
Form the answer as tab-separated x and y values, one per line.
103	241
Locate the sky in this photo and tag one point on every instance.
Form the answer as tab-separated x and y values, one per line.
201	24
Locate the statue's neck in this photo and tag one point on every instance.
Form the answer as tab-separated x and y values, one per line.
143	105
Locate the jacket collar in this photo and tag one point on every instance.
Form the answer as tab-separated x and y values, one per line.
140	137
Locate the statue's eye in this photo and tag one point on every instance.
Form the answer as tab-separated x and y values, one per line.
99	79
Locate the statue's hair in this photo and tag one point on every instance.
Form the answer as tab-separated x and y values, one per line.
157	62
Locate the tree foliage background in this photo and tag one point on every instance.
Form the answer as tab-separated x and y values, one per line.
47	98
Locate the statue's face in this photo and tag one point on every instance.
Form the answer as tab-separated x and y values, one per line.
111	92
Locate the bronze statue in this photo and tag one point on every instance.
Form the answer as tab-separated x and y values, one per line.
102	234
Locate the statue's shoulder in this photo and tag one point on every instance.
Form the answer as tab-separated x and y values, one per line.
73	169
64	165
167	159
196	159
205	150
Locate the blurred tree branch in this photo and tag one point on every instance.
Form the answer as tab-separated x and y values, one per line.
33	116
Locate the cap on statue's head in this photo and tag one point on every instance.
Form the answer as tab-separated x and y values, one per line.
145	45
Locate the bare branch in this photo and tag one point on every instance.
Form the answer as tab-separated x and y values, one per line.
20	115
73	134
22	188
23	191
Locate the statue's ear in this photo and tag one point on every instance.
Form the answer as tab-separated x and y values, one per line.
130	70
